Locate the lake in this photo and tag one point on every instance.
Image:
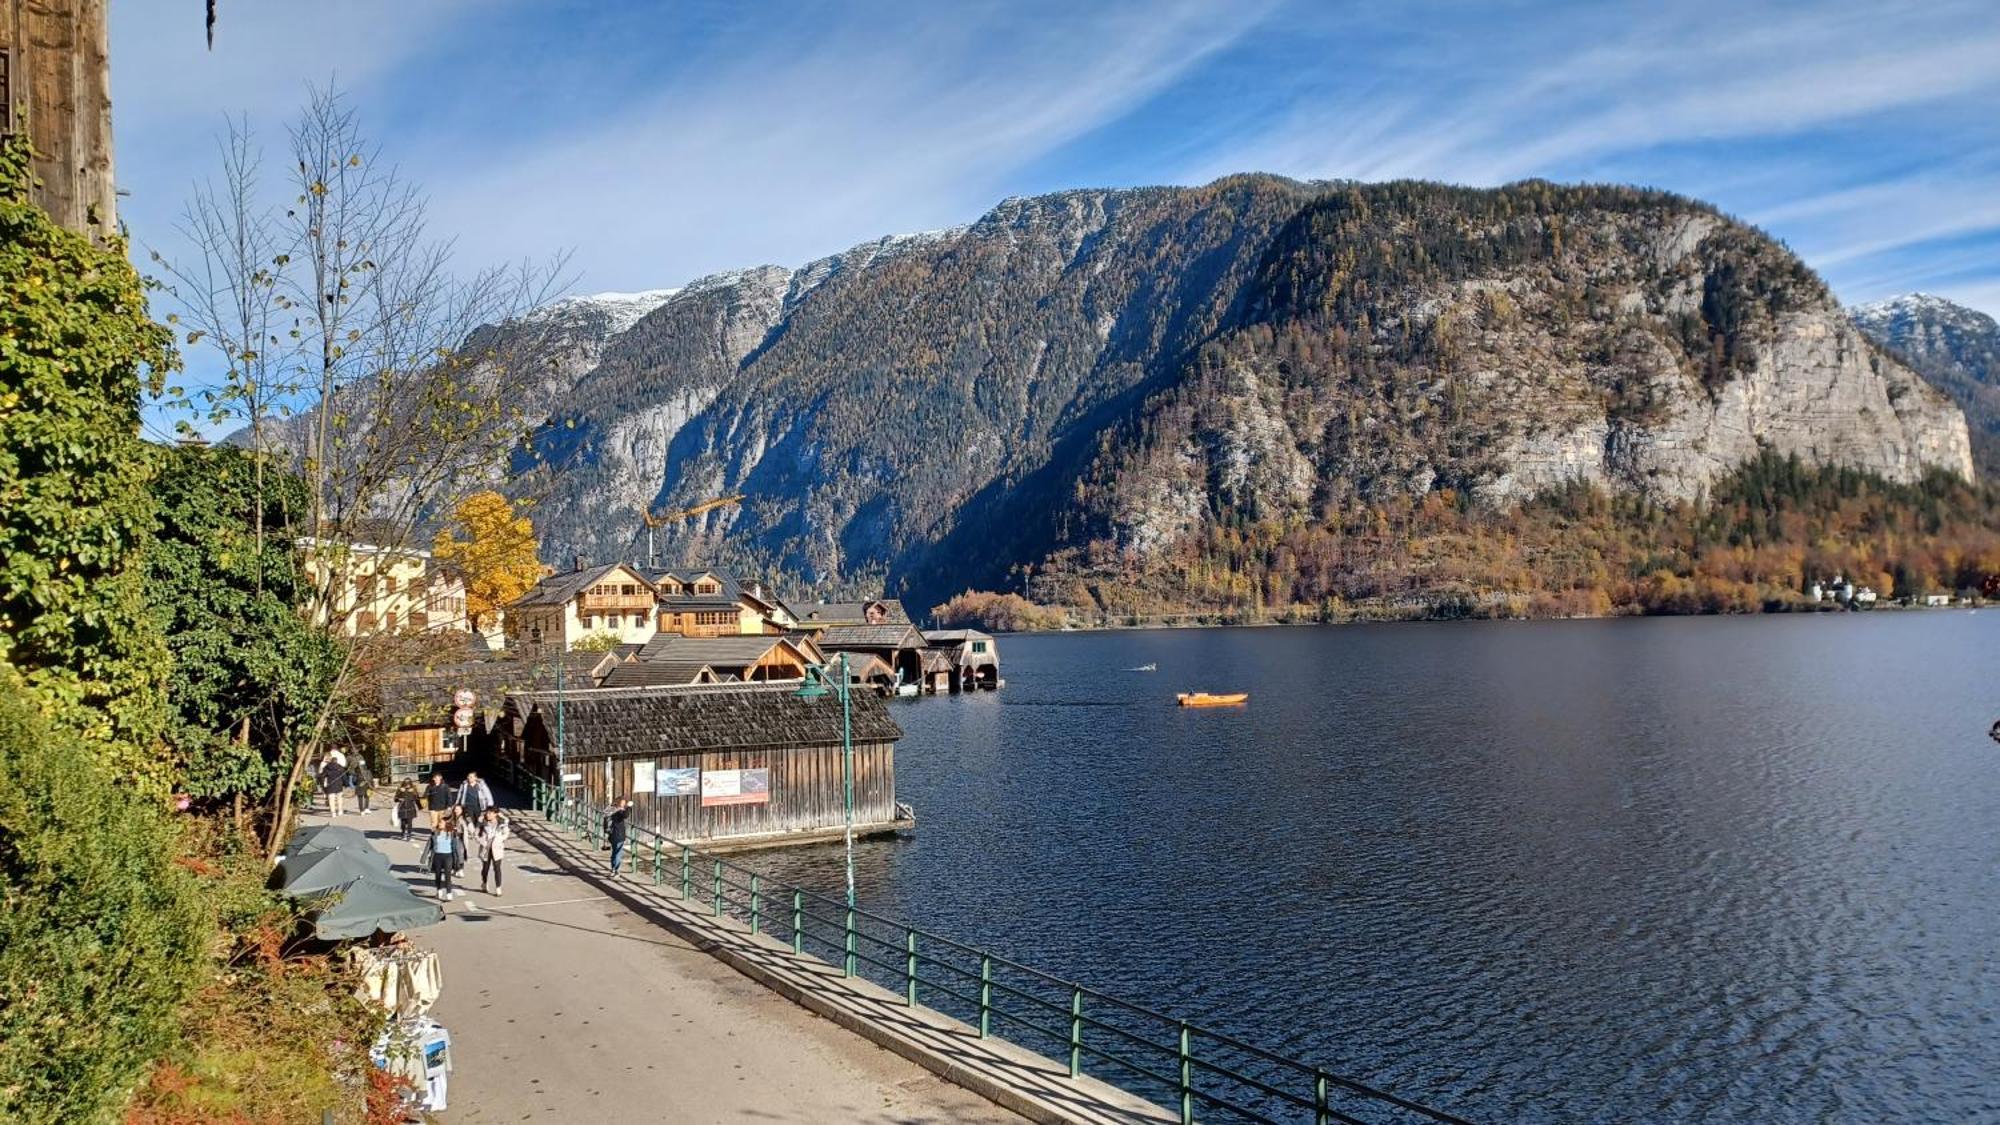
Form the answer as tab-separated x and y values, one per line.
1695	869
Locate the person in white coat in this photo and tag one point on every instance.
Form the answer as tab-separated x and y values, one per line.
493	832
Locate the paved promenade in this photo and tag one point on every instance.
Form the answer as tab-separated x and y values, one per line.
565	1006
581	998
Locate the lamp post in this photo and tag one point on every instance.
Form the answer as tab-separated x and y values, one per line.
814	688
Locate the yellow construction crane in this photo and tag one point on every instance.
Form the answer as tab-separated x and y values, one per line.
661	519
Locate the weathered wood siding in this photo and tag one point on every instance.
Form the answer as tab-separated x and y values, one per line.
806	791
58	74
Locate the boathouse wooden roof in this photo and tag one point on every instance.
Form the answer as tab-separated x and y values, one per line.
871	637
724	651
421	695
653	721
655	672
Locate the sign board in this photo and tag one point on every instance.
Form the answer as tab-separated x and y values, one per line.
572	777
677	782
464	697
735	787
642	777
462	719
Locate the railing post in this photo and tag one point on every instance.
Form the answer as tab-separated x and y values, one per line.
849	961
910	967
1075	1030
718	888
798	920
985	995
656	861
687	871
1187	1078
1320	1115
756	914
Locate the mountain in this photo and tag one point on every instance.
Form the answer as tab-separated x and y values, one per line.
1957	349
1107	375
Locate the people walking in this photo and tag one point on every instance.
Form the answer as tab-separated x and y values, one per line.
439	798
408	802
475	797
493	831
333	782
364	780
446	853
614	831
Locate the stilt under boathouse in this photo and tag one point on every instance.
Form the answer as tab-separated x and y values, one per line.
721	766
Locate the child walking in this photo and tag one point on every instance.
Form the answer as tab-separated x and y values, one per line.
493	829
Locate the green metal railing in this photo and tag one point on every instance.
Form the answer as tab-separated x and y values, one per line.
1148	1053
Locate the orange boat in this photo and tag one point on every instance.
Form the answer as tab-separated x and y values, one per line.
1204	699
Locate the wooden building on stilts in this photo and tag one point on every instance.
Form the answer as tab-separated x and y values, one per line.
716	765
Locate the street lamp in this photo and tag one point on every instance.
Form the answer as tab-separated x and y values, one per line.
815	688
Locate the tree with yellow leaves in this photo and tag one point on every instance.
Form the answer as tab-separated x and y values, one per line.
497	556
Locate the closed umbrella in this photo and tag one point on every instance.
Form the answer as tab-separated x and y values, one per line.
370	906
326	838
311	872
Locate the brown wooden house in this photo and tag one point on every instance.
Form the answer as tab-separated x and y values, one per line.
734	765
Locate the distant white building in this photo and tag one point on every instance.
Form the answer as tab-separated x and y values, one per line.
1937	599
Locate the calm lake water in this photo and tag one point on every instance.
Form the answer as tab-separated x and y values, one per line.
1722	869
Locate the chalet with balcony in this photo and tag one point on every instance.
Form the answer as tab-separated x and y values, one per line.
713	603
613	603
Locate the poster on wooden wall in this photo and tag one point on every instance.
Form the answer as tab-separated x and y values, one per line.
677	782
735	787
642	777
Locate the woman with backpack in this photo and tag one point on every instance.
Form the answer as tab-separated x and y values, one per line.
493	832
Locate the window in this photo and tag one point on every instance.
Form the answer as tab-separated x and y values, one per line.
364	622
419	619
707	588
979	646
590	621
389	584
389	622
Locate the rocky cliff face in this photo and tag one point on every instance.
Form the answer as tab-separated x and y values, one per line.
1116	369
1957	349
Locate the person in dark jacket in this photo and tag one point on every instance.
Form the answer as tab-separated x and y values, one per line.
333	783
439	798
408	802
614	831
364	780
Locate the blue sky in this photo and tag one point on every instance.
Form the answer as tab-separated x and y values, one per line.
663	141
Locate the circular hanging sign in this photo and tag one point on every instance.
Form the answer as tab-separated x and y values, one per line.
462	718
463	697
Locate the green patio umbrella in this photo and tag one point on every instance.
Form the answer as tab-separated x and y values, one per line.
310	872
327	837
370	906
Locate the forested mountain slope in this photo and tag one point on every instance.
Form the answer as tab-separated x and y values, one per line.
1105	375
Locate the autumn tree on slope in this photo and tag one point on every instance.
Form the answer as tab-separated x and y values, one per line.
498	554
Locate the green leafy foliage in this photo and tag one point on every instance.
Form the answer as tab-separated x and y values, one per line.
75	348
102	935
227	604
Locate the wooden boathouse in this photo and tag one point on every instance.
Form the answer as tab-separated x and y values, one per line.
718	765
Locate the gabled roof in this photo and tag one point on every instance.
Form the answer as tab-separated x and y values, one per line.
850	613
871	636
421	696
660	672
558	589
719	651
647	722
955	636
